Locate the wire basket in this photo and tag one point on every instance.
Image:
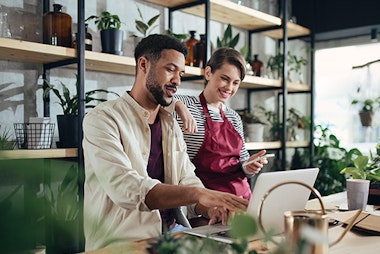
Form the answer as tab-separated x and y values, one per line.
34	135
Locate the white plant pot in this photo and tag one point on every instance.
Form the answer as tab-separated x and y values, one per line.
255	132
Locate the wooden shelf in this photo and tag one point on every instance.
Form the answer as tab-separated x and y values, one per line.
33	52
24	51
263	145
273	145
239	16
39	153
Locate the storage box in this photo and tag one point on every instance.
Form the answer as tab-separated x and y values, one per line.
34	135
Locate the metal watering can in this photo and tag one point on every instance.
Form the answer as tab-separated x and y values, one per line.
296	221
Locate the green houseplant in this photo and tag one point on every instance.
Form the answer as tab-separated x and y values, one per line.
110	34
275	65
367	168
367	108
296	121
68	122
227	40
295	64
5	140
62	211
145	27
253	123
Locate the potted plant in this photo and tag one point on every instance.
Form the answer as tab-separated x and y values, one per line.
227	40
295	64
5	140
68	122
367	168
144	27
296	121
110	34
367	109
62	211
255	122
275	65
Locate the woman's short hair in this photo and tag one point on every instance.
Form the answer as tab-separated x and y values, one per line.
227	55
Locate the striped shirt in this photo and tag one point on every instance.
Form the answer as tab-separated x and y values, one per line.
194	141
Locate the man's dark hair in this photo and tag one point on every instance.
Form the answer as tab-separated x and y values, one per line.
152	46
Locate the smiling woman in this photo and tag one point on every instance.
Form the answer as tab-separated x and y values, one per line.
217	148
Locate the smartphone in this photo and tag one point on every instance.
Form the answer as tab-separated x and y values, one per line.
268	155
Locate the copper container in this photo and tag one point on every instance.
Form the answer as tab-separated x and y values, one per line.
297	221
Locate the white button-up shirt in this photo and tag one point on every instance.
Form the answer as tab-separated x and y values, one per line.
116	148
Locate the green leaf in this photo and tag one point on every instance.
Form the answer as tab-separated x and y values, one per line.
141	27
361	162
234	41
153	20
228	33
243	225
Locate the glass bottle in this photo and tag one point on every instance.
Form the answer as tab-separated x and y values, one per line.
57	27
4	25
257	66
190	43
87	40
200	52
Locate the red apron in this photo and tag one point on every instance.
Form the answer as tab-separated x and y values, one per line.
217	161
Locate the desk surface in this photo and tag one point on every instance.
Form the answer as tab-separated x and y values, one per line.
351	243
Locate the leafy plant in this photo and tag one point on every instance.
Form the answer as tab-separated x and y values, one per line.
180	37
106	21
64	205
330	157
5	140
256	115
69	102
296	120
367	105
245	51
365	167
227	40
275	65
295	63
144	27
242	226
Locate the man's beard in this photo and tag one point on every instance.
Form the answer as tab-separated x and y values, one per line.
155	89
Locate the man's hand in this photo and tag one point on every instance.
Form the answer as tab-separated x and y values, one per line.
218	214
189	123
217	206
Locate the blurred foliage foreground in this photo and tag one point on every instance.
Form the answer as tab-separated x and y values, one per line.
39	205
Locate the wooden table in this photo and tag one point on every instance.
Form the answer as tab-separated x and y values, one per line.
351	243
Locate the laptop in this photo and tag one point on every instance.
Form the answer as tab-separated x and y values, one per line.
289	197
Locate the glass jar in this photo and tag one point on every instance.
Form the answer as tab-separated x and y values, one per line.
200	52
87	40
4	25
57	27
257	66
190	43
